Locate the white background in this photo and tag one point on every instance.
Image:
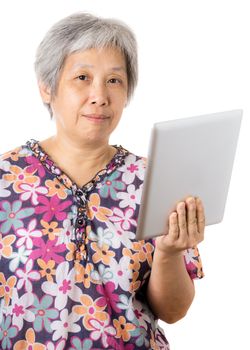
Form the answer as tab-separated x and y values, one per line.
194	58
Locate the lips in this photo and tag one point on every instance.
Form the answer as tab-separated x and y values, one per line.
96	116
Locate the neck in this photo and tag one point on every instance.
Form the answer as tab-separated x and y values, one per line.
74	154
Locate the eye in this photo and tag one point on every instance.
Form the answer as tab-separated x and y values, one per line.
83	77
115	81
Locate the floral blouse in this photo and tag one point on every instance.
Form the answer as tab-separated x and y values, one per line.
72	274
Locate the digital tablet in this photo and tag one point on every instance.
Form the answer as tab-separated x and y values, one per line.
188	157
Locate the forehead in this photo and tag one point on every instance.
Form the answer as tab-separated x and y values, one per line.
96	58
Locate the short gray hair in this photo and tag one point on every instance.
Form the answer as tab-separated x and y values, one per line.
78	32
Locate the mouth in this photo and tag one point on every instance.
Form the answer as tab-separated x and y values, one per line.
96	117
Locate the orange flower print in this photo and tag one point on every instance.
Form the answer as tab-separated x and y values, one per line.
71	248
134	259
55	187
5	245
83	273
50	229
144	251
135	283
20	176
94	209
48	270
91	309
14	155
29	343
123	328
102	254
6	287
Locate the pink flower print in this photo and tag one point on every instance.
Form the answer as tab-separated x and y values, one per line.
27	234
132	168
109	298
47	251
35	164
20	308
52	207
124	218
64	287
119	345
32	191
27	276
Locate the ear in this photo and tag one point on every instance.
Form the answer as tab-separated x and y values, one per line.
45	92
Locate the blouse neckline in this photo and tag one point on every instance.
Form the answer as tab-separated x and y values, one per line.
117	161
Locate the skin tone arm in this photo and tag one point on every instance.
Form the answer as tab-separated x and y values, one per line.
170	291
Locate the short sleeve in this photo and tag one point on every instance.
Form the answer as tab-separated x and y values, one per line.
193	263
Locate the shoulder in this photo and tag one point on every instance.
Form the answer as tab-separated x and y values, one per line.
13	157
133	168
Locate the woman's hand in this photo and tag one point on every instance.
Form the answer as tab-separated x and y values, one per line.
185	227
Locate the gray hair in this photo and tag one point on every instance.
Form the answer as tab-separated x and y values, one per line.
78	32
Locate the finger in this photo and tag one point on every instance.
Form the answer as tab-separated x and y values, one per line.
182	219
173	226
191	216
200	216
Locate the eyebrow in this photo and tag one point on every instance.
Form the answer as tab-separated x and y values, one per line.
85	65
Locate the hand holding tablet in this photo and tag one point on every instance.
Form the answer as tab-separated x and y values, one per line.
188	157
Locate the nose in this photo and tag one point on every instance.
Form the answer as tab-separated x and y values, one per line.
99	95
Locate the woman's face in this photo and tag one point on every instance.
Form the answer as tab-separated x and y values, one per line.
91	95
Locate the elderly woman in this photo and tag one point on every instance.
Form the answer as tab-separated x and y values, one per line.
72	274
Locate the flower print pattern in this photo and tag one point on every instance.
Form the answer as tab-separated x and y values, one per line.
83	274
35	166
12	214
20	308
111	185
18	257
51	229
19	176
6	287
7	332
109	297
27	276
52	207
123	328
103	254
44	313
29	343
48	251
71	268
124	218
26	235
64	287
5	245
91	309
102	330
131	198
47	269
56	188
32	191
121	273
59	345
66	324
78	344
132	169
95	210
3	191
